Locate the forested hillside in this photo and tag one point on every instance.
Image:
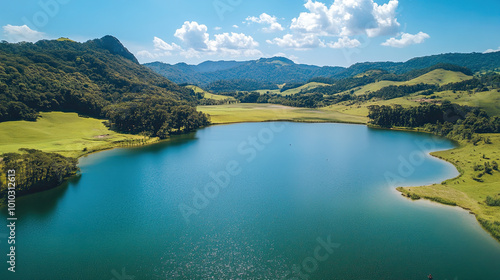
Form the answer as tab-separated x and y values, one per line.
414	83
96	78
279	70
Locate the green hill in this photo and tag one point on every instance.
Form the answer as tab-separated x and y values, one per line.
98	78
437	77
440	77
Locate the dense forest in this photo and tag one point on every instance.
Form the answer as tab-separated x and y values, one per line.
239	85
95	78
450	120
35	171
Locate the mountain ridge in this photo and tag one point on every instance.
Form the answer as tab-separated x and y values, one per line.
279	70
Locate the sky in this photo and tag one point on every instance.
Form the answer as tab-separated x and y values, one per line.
333	33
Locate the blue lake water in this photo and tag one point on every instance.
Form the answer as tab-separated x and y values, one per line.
254	201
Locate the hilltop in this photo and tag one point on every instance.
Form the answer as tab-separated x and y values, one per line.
99	78
268	73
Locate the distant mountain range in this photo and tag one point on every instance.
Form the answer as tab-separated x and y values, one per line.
279	70
274	70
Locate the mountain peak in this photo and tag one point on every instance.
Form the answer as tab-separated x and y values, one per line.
114	46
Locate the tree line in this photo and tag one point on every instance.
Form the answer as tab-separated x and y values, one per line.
449	120
35	171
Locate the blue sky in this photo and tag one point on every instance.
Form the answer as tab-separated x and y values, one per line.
340	32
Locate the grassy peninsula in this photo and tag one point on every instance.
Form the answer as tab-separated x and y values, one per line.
477	189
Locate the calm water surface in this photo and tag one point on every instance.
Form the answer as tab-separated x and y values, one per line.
254	201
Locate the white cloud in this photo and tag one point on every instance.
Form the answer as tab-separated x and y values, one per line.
345	42
21	33
236	26
193	35
492	50
196	42
297	42
217	28
348	18
145	53
233	41
406	40
159	44
270	21
148	54
342	19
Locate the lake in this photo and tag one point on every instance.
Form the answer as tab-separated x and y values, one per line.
254	201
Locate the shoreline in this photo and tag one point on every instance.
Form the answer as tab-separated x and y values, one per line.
415	193
404	191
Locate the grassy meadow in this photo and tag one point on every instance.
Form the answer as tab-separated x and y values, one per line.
208	95
467	190
245	112
64	133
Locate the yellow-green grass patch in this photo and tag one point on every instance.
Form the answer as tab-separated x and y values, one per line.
465	191
208	95
244	112
64	133
437	77
487	100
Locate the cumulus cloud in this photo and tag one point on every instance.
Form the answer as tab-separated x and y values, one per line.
196	42
14	34
342	19
193	35
345	42
233	41
492	50
271	21
300	42
406	40
348	18
159	44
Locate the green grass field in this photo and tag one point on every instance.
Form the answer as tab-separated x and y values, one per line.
291	91
209	95
487	100
235	113
64	133
464	191
437	77
307	86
